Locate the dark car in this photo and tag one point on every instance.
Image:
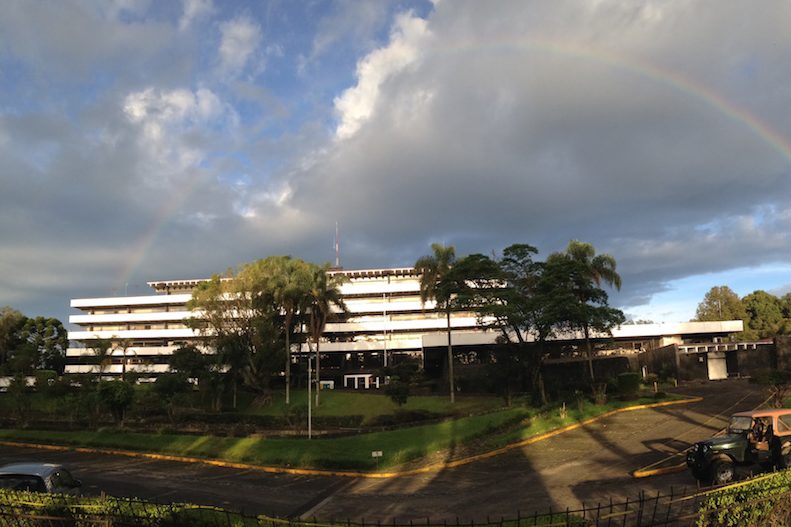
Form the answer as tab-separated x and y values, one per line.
39	477
760	438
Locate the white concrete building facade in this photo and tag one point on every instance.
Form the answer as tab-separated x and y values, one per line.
387	322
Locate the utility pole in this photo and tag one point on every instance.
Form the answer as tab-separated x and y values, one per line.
310	382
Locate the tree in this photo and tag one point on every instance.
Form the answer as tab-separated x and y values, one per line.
240	315
171	387
764	313
117	396
11	321
103	351
501	293
720	303
291	281
48	338
588	271
437	285
323	294
785	303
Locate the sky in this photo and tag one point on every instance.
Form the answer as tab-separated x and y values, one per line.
157	140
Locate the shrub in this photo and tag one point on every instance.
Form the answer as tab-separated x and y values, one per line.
629	384
397	391
650	379
117	396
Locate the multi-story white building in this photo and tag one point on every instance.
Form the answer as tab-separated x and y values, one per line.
387	322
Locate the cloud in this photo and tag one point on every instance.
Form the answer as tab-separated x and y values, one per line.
537	123
642	128
240	39
194	10
356	104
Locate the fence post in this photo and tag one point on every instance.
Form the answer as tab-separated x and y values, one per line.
656	504
568	518
625	511
640	506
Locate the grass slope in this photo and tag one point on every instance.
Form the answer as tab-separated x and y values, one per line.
488	431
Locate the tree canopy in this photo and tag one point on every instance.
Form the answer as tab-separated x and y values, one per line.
28	344
720	303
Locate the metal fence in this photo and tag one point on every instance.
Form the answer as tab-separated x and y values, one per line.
672	509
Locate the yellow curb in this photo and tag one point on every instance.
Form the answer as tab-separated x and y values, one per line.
350	473
647	473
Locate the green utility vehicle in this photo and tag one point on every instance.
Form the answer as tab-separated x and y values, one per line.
761	438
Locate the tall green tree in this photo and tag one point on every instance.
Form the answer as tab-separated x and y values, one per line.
49	339
11	322
720	303
764	313
436	284
291	282
588	271
102	350
785	302
501	292
324	294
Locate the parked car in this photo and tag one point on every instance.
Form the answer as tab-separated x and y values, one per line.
39	477
761	438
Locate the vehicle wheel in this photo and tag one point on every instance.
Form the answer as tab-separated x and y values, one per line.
785	460
722	471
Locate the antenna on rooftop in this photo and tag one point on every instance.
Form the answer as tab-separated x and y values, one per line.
337	247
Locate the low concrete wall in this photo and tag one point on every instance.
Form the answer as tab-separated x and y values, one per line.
693	366
661	361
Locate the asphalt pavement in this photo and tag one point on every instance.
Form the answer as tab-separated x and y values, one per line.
592	463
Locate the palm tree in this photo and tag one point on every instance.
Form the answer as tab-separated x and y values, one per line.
324	293
103	351
435	284
292	282
595	269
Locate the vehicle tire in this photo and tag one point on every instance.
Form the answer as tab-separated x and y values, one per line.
785	458
722	472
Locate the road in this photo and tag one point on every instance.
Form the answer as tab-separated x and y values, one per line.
587	465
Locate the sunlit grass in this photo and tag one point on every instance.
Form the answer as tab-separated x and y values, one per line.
491	430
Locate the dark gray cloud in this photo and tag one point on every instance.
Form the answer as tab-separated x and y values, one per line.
655	130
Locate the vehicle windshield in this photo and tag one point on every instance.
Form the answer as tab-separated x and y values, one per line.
739	424
22	482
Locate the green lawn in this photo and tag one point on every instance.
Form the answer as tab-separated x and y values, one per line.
488	431
370	405
351	452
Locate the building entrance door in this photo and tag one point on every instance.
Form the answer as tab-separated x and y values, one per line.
718	368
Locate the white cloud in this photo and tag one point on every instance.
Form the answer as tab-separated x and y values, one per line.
240	38
355	105
193	10
163	118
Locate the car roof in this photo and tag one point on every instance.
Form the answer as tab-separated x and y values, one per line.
770	412
42	470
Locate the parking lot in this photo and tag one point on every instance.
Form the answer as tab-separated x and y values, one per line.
589	464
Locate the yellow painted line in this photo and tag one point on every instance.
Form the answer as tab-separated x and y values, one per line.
350	473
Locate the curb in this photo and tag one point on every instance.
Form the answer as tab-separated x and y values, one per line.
349	473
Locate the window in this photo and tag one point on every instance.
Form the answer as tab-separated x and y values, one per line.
784	423
22	482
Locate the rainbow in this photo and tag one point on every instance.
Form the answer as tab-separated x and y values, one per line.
674	81
643	69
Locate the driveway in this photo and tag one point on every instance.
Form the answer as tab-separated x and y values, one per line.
587	465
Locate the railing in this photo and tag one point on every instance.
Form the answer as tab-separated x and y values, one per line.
673	509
